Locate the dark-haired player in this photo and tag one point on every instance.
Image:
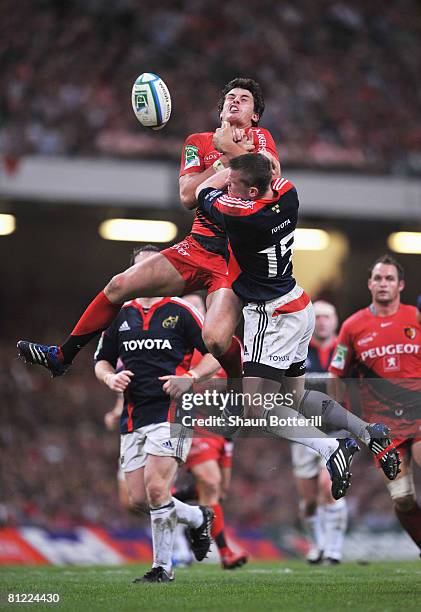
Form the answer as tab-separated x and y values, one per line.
382	343
259	215
154	339
200	260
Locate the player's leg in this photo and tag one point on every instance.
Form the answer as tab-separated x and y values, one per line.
402	491
153	277
375	435
334	520
222	316
276	340
338	454
305	467
173	441
132	464
123	493
136	492
159	474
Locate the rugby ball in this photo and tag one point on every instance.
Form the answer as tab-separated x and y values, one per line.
151	101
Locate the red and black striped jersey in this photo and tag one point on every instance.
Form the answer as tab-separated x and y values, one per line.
151	343
261	235
198	154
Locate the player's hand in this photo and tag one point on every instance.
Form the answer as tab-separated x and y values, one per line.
276	166
119	381
111	420
223	137
175	386
247	142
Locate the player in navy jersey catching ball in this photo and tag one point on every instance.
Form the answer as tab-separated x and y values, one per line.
259	215
200	260
154	339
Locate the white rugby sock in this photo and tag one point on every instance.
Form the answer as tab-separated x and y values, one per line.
189	515
335	519
163	523
314	530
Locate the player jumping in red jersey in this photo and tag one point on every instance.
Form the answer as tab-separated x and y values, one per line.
383	344
199	261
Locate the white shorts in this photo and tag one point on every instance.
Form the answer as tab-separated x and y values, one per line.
161	439
306	462
278	340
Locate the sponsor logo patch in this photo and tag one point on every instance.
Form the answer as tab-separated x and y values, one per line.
170	322
410	332
339	358
391	364
141	101
124	327
191	156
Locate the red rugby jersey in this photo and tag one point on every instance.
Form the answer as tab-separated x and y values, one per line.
386	352
199	154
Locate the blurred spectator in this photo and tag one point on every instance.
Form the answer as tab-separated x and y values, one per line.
341	78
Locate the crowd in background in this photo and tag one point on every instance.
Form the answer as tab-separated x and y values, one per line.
59	463
341	78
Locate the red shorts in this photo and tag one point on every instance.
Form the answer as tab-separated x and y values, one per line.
198	267
210	448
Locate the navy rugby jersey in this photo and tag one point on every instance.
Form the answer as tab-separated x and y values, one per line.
261	235
151	343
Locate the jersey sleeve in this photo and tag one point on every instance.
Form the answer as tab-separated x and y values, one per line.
192	159
107	349
263	141
192	330
207	198
342	359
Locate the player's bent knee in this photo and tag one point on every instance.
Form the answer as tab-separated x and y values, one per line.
210	487
402	490
116	288
157	494
215	342
137	504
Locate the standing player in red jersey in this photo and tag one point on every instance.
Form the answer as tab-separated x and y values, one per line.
383	344
197	262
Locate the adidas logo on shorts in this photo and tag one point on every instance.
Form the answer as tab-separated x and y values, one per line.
168	445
